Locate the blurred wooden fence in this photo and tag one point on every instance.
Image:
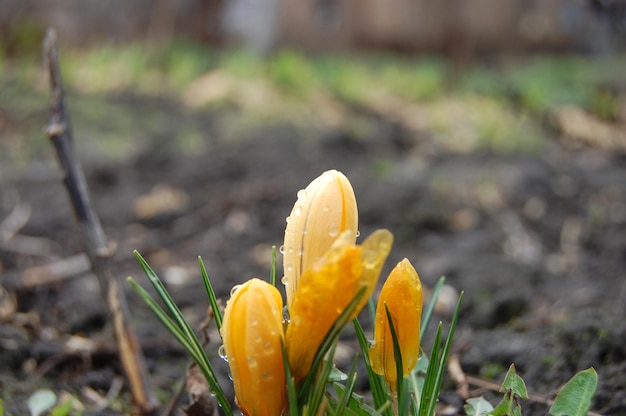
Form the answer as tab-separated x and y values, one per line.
457	27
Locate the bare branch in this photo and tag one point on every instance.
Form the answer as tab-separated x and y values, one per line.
99	250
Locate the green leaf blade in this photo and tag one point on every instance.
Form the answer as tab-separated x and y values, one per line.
574	399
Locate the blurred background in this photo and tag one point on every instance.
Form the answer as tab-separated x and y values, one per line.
488	135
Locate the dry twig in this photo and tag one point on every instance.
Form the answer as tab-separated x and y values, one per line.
99	250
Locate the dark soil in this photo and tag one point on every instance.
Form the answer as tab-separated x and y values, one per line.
537	242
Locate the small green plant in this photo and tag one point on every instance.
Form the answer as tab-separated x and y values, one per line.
574	399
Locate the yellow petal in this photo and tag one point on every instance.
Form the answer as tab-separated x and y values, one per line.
252	332
327	288
323	211
402	293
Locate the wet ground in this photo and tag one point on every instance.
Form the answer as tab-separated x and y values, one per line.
537	240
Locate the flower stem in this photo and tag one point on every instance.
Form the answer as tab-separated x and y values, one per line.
394	403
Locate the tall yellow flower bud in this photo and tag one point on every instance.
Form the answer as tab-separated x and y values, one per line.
252	331
327	288
323	211
402	293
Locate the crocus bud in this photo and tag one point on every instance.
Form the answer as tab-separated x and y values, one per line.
402	293
323	211
327	288
252	331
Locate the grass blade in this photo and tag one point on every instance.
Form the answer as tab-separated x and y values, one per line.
428	311
178	320
397	355
445	353
292	395
217	313
344	399
377	386
429	382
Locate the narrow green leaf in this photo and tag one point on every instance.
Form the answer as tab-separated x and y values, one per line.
574	399
444	355
514	383
416	381
344	399
377	386
199	358
292	395
431	375
477	406
195	347
273	267
428	311
217	313
319	386
397	355
356	403
169	324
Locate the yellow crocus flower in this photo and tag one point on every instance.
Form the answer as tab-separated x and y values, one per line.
402	293
327	288
252	331
323	211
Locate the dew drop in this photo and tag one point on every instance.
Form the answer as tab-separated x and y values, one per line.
266	375
251	361
284	280
281	249
287	220
234	289
221	351
268	348
297	210
302	194
254	322
289	267
325	208
358	233
333	230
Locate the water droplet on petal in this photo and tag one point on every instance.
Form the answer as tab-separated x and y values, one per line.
250	360
221	351
302	194
333	230
234	289
281	249
287	220
284	280
297	210
358	233
268	348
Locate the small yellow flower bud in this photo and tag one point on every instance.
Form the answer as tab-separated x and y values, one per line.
252	331
402	293
327	288
323	211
